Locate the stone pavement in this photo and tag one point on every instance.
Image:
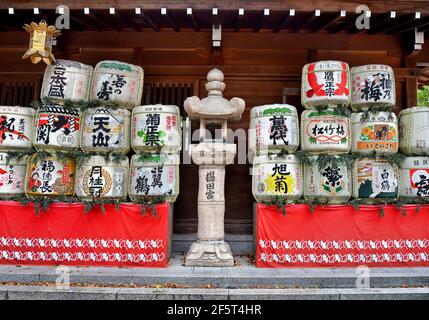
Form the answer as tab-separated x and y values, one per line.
241	282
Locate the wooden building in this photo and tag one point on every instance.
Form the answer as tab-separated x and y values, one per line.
261	46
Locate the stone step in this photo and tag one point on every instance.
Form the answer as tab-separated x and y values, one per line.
243	275
13	292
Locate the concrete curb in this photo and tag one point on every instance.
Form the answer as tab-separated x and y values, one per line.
91	293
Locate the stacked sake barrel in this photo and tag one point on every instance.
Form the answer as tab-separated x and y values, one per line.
375	130
326	131
414	142
57	130
16	135
273	137
156	139
103	173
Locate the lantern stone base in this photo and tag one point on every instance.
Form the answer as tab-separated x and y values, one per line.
209	254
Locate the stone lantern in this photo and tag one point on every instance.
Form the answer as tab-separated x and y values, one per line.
211	155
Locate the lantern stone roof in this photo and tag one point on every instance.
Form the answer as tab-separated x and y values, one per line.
214	106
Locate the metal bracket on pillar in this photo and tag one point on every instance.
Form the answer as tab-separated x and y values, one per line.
216	35
419	40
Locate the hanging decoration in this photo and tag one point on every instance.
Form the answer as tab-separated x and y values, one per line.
41	40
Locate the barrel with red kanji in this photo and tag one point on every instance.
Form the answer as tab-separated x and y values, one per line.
325	83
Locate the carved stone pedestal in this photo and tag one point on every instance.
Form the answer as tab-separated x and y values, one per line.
210	250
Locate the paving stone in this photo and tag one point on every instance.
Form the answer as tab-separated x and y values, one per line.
52	293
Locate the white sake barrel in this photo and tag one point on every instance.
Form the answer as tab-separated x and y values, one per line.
375	180
16	127
373	85
378	133
106	130
57	127
277	177
332	183
156	128
12	175
50	176
325	132
97	178
414	131
154	175
272	128
414	177
325	83
116	82
66	80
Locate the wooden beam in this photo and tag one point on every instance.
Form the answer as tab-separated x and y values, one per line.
404	6
259	23
126	20
420	23
75	18
306	24
194	21
149	21
408	20
238	20
98	19
283	22
328	24
169	20
148	39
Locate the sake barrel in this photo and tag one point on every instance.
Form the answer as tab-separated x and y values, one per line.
414	177
325	83
12	175
276	177
98	178
154	175
331	182
50	176
379	133
373	85
414	131
16	127
66	80
273	127
106	130
325	132
156	128
375	180
57	127
116	82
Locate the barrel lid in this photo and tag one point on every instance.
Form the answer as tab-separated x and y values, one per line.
17	110
100	160
273	109
108	110
56	108
409	162
157	107
78	66
371	67
290	158
414	110
327	65
378	116
154	159
326	112
4	157
119	66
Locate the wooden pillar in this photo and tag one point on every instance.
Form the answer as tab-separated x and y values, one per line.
411	84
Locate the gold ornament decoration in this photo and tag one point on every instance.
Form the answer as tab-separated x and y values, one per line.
41	40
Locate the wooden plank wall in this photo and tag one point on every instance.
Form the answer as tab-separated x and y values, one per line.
257	67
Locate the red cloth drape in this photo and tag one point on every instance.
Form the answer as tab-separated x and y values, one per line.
342	236
66	235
